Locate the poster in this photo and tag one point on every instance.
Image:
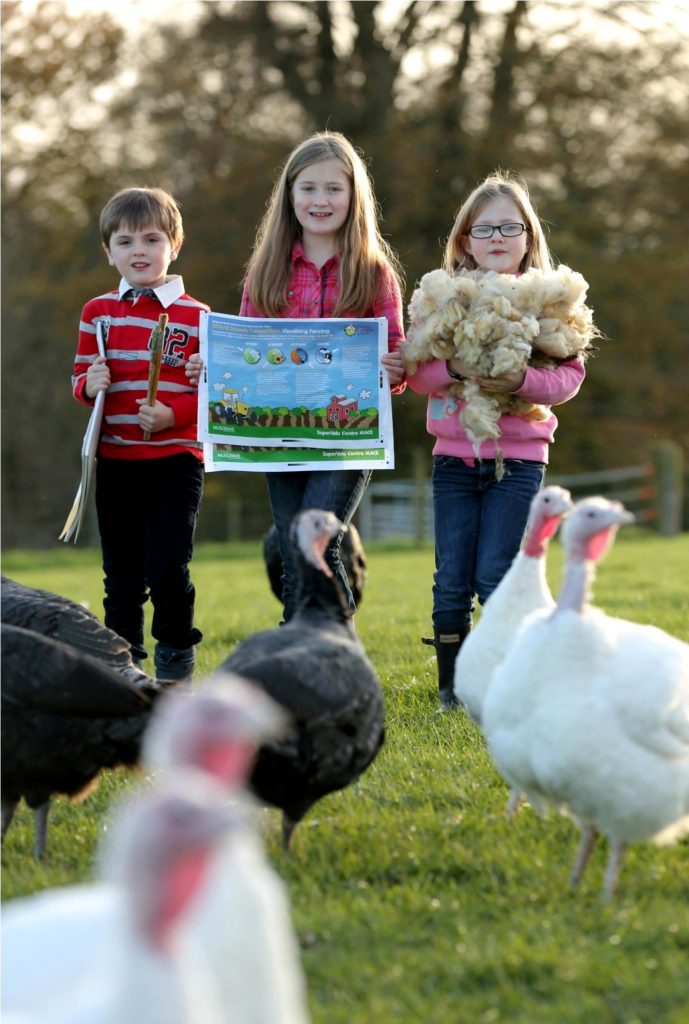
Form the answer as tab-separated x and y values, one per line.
301	384
219	457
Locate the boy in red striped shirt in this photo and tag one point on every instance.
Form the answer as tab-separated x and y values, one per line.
148	493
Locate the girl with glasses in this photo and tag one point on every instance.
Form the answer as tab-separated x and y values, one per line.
480	515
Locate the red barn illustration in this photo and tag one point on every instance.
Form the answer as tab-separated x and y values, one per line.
340	408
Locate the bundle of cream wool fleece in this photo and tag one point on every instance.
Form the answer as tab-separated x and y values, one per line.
498	323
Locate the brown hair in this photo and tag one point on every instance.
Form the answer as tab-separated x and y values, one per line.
137	207
512	186
363	251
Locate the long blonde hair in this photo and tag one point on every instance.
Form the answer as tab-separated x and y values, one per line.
363	251
499	183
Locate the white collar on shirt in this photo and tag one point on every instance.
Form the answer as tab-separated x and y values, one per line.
166	293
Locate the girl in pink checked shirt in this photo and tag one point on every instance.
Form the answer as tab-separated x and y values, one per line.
319	253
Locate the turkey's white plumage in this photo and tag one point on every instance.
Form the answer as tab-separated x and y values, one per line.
523	590
49	939
104	952
591	713
243	932
216	727
191	926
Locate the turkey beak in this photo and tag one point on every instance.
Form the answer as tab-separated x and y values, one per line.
320	546
621	516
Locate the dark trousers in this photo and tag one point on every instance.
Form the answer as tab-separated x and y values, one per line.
147	513
338	491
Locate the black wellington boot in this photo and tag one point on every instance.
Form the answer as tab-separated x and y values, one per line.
447	646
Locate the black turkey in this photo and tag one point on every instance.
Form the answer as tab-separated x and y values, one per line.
315	667
65	716
61	619
351	552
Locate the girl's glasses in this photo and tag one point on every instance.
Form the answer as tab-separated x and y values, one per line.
506	230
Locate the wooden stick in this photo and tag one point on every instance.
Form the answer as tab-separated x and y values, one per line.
156	347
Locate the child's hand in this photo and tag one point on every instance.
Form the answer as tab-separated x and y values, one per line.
193	369
154	417
506	383
394	364
97	377
457	366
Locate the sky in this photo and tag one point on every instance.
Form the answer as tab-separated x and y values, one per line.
670	12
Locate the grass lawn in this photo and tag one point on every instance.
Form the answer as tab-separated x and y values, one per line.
414	898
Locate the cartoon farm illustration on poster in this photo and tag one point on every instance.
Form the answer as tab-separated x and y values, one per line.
310	383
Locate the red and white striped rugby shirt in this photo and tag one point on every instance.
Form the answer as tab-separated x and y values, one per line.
128	327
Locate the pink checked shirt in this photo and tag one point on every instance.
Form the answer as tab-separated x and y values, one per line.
313	293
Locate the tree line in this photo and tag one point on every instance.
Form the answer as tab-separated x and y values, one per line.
588	101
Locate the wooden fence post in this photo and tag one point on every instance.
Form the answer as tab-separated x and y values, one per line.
364	514
234	517
668	462
420	485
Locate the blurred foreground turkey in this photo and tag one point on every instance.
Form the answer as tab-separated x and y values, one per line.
189	924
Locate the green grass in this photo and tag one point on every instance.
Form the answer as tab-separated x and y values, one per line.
413	897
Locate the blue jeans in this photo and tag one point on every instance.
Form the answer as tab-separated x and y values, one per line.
338	491
479	526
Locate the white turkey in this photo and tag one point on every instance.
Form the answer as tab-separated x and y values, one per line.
316	668
523	590
188	925
216	728
590	713
63	619
65	716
